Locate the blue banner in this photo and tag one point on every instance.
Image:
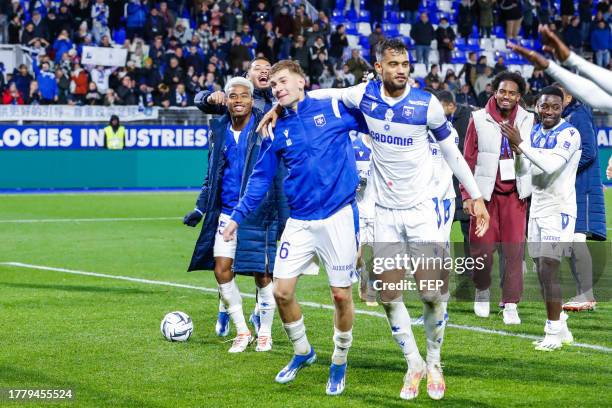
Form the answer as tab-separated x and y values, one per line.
604	136
31	137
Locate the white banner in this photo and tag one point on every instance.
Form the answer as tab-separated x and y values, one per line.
114	57
67	113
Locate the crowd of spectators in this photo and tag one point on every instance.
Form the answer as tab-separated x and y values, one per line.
177	47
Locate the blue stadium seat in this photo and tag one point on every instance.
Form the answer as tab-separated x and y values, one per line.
351	28
351	15
388	5
514	59
393	17
499	32
363	42
390	30
337	13
458	57
364	16
473	44
461	44
500	54
527	44
119	36
475	33
409	43
340	5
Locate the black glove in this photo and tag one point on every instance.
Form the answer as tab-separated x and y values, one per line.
193	218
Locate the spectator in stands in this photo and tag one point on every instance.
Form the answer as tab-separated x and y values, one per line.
126	92
481	65
238	56
451	81
284	31
40	26
12	96
537	82
512	13
601	43
46	81
410	8
174	73
318	48
93	96
105	42
62	45
324	24
375	37
157	52
312	33
376	9
469	70
167	15
80	81
155	25
99	16
465	20
317	68
572	35
466	96
327	78
14	29
338	42
445	37
22	79
485	95
28	35
357	4
485	21
63	86
348	76
325	6
357	65
482	80
300	53
434	74
267	48
183	33
179	97
567	11
585	12
111	98
34	97
136	18
301	22
99	76
259	18
422	33
500	65
229	22
78	13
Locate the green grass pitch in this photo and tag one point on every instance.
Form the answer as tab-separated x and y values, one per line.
100	336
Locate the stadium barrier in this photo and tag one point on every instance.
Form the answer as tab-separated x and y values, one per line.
62	147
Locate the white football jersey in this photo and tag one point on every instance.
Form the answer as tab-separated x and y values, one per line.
443	174
402	164
555	193
363	152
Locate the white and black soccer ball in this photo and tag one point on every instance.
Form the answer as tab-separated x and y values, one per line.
176	326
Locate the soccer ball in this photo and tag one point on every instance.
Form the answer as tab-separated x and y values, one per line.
176	326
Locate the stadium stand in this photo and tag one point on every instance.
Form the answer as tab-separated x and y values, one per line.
200	43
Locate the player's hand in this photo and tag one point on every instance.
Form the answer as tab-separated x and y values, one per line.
512	133
269	118
467	206
216	98
193	218
538	60
479	210
553	44
229	233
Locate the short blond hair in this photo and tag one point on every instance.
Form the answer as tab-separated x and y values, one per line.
289	65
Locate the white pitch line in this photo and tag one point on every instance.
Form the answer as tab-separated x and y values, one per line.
34	221
309	304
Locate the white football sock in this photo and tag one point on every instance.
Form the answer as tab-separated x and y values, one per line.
401	330
296	331
434	318
342	343
230	294
266	306
221	304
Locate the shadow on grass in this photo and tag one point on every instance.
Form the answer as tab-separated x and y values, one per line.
76	288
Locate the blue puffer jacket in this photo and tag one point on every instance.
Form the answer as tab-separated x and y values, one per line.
591	215
258	235
136	15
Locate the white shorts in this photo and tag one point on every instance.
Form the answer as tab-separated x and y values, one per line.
222	248
446	212
366	231
333	240
551	236
416	226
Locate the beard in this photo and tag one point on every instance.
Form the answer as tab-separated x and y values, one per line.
392	87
